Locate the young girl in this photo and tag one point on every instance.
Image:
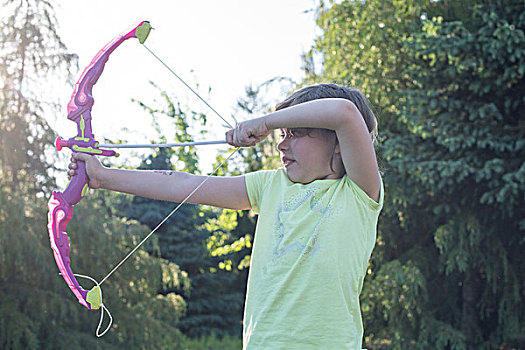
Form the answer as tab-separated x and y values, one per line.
317	216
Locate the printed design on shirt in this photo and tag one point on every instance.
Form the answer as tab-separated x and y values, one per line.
307	242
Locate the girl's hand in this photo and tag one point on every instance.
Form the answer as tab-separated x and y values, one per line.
94	169
248	133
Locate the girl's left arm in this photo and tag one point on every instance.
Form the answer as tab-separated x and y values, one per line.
340	115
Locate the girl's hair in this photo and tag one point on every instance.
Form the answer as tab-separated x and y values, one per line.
319	91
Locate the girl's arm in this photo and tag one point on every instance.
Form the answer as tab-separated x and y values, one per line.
340	115
220	191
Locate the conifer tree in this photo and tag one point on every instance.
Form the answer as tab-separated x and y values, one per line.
446	80
37	309
214	306
464	153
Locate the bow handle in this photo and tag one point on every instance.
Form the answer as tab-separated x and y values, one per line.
78	186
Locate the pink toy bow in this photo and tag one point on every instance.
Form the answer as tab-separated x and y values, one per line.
61	203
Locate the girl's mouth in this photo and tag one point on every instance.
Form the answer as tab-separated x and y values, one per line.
287	162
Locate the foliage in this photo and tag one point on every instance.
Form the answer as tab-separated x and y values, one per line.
212	342
448	80
466	155
30	51
361	46
215	302
233	230
37	309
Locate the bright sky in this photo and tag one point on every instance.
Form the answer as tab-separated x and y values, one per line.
222	45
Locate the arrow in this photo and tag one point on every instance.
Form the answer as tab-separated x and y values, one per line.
165	145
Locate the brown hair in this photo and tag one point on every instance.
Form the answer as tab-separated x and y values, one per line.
319	91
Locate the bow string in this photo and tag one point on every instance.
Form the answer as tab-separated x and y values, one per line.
61	203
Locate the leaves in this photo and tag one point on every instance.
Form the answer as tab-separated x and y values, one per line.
448	82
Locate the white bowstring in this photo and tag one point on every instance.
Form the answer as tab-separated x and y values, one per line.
195	190
103	307
167	217
189	87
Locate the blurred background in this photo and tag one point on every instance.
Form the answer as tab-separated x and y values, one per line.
445	79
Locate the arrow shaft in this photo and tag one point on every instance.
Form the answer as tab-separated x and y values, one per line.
155	145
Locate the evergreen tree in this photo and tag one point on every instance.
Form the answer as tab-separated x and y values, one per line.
37	309
213	305
31	51
464	153
445	273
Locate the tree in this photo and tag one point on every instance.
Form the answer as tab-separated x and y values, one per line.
37	309
443	274
30	51
232	231
465	154
361	46
214	307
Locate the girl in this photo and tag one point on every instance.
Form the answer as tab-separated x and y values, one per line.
317	216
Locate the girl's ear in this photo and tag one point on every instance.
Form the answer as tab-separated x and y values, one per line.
337	149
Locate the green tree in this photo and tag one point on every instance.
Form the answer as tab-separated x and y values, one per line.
465	155
37	309
214	307
233	230
30	52
445	273
361	46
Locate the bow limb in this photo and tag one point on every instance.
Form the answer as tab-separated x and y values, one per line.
60	213
61	204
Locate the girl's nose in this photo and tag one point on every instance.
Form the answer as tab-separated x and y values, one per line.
283	145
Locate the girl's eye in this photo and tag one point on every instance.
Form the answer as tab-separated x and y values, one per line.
294	132
298	132
286	133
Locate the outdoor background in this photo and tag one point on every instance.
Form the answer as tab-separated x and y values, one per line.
445	79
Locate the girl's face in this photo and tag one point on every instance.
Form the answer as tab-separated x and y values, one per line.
307	155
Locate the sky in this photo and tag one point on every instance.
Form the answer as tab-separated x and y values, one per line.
217	47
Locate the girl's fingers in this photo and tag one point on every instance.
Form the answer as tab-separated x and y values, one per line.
229	137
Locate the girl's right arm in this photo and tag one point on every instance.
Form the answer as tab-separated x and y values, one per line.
220	191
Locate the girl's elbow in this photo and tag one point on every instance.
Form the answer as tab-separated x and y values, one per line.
348	113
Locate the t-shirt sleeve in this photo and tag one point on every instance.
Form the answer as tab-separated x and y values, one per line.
256	183
365	198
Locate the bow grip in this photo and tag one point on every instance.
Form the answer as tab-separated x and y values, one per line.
78	186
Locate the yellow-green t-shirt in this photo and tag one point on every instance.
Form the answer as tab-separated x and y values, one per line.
310	255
